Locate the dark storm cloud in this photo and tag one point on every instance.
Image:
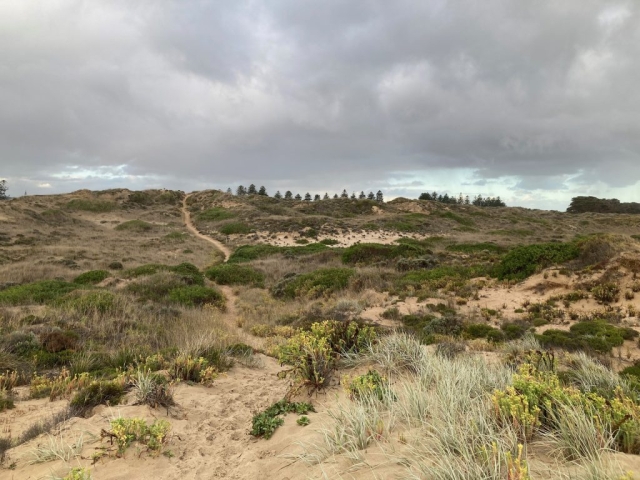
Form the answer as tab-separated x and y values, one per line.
317	95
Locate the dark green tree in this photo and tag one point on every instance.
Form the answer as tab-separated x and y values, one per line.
335	196
288	195
379	197
371	196
353	196
3	190
316	198
263	191
229	191
252	189
298	197
241	191
326	196
278	195
344	194
307	197
362	196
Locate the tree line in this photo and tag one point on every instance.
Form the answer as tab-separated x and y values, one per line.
478	200
3	190
602	205
288	195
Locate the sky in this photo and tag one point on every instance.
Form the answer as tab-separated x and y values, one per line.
534	101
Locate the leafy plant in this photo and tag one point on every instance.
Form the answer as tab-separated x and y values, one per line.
234	274
125	431
235	228
522	262
369	384
98	392
264	424
91	277
313	284
138	226
44	291
195	295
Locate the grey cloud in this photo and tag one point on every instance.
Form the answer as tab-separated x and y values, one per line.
321	95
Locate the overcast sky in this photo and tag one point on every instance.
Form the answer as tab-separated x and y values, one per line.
536	101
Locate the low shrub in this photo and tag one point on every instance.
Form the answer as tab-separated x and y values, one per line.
125	431
313	354
592	335
196	295
198	370
188	272
6	403
115	266
87	205
101	392
215	214
264	424
57	341
235	228
246	253
329	241
137	226
152	389
44	291
314	284
522	262
538	400
91	277
233	274
86	302
370	384
606	292
476	247
367	253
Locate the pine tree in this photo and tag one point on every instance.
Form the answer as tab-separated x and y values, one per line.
307	197
353	196
298	197
278	195
252	189
288	195
263	191
316	198
362	196
344	194
3	190
424	196
326	196
371	196
379	197
335	196
229	191
241	191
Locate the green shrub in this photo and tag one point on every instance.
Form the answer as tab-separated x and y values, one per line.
91	277
374	252
193	369
313	354
467	222
137	226
246	253
215	214
86	302
188	272
478	330
537	400
592	335
233	228
264	424
195	295
96	206
606	292
314	284
329	241
476	247
521	262
5	402
369	384
97	393
115	266
233	274
125	431
44	291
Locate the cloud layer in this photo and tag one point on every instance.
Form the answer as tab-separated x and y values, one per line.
496	97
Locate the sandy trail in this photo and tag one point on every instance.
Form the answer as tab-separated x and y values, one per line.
230	315
191	227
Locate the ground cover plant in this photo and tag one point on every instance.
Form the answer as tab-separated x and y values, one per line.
233	274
